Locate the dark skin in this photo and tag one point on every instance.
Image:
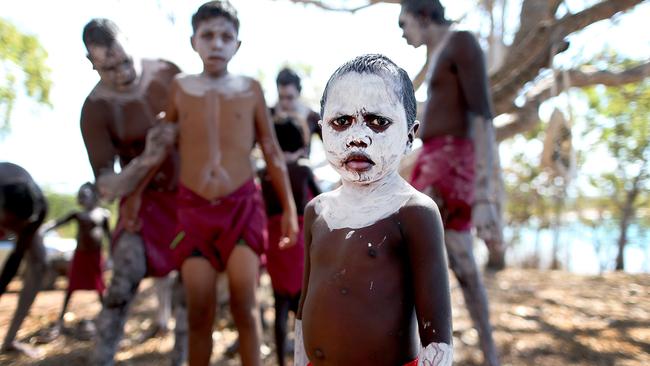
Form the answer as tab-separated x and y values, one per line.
25	229
362	304
303	186
220	117
29	243
453	97
115	123
92	224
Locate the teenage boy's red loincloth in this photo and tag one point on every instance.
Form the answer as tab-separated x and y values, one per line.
212	228
446	164
85	272
158	229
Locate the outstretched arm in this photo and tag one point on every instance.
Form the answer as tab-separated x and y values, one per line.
276	168
60	222
430	283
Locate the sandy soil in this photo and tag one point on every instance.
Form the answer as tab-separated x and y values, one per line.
540	318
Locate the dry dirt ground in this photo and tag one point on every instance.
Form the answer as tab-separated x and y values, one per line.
540	318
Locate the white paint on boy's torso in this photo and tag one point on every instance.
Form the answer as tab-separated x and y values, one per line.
357	206
228	86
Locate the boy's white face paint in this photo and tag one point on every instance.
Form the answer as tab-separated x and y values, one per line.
369	191
356	95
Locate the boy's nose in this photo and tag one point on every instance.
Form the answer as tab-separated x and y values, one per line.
363	142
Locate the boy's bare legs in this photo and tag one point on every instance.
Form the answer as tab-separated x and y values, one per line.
130	266
461	260
179	352
200	281
242	268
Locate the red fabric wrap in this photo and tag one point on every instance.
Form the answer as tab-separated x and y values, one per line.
158	219
213	227
85	272
446	164
285	266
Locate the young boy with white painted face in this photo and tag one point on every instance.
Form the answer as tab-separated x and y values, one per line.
375	266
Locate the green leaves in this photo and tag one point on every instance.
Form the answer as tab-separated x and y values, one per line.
22	57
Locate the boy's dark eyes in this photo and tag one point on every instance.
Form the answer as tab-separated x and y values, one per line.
342	121
378	122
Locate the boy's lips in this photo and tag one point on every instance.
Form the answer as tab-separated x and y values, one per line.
358	161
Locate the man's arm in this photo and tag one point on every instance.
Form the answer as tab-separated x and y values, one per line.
300	355
474	84
95	119
276	168
430	283
472	74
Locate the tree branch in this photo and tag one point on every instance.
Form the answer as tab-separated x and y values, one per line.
322	5
532	52
526	118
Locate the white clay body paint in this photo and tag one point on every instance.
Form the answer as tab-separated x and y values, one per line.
299	353
436	354
375	193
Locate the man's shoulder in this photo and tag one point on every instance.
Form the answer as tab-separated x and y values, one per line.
94	106
463	42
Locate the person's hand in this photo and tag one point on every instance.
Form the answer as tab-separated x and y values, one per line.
160	140
289	229
484	217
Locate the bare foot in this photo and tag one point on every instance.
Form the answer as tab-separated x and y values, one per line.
22	348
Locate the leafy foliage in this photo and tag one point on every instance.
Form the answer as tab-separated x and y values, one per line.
22	57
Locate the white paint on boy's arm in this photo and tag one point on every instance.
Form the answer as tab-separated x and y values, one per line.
299	353
436	354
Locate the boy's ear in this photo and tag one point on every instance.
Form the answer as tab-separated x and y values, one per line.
238	45
413	131
192	42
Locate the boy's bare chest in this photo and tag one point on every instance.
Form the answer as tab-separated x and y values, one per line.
367	249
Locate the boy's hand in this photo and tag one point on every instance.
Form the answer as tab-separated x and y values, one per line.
484	216
289	229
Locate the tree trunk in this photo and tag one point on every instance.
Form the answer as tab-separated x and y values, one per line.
626	218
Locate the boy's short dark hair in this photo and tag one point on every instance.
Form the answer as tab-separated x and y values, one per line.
286	77
428	9
213	9
382	66
289	135
100	32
